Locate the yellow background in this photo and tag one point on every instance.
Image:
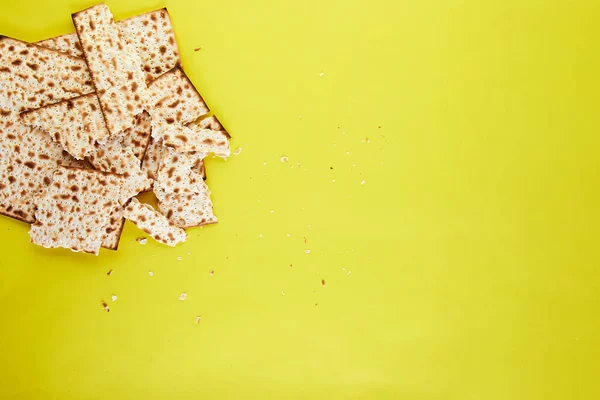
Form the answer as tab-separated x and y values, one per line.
473	245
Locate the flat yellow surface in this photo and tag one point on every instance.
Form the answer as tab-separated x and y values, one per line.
465	267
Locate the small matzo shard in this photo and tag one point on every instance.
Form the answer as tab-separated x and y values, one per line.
199	138
73	212
173	100
114	65
154	223
137	137
77	124
151	34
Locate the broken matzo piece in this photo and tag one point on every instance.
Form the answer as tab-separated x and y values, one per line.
195	138
154	223
177	172
152	158
77	124
73	212
114	157
114	65
189	209
151	34
32	76
173	100
28	158
137	137
113	230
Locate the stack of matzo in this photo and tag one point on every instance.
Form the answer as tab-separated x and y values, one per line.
89	120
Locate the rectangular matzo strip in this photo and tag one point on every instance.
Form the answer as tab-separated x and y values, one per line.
114	65
154	223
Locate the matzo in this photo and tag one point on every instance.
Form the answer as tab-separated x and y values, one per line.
189	209
114	65
176	173
73	212
154	223
152	158
153	37
68	44
195	138
173	101
151	34
32	76
137	137
76	124
28	158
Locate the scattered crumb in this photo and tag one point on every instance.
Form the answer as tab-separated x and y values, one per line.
260	235
189	253
110	272
299	116
367	140
362	182
198	320
330	167
178	258
284	159
237	151
307	251
113	297
333	180
271	211
321	74
343	269
198	49
287	234
347	153
291	265
379	126
309	226
335	145
142	240
282	293
304	237
292	166
298	164
150	273
182	296
265	163
323	282
212	272
105	306
349	272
